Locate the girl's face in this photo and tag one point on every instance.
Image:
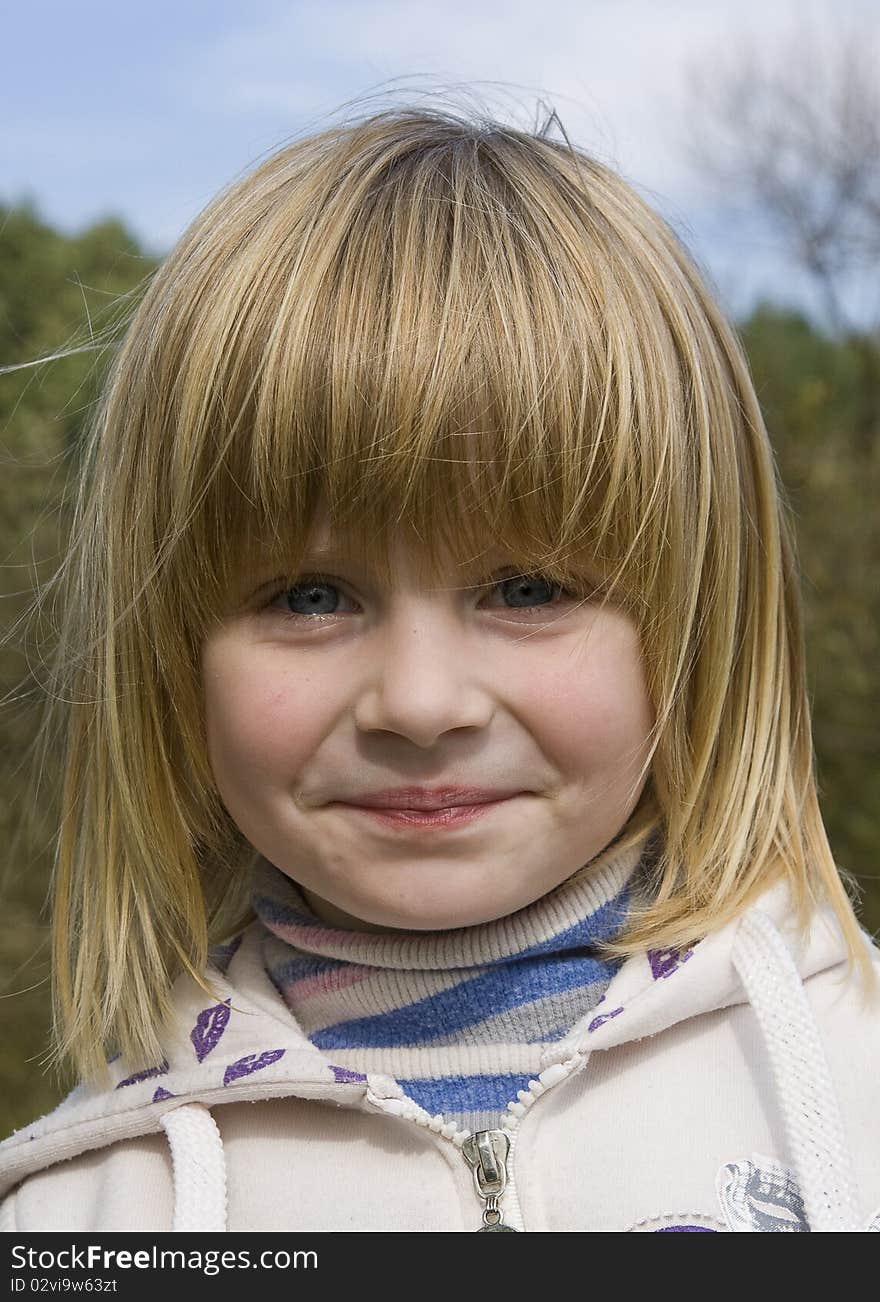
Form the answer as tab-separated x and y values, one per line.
337	688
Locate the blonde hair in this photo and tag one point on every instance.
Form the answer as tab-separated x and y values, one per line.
476	332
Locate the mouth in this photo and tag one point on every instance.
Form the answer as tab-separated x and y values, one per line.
429	798
447	816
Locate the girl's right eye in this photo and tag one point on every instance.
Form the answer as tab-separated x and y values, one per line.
310	593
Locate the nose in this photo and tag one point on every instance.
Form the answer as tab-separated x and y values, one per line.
423	680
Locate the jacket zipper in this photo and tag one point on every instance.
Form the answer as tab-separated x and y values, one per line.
488	1153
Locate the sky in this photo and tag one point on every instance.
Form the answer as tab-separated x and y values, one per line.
144	110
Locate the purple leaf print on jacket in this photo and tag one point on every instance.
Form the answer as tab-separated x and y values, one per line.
253	1062
342	1075
144	1075
210	1025
666	961
603	1018
163	1094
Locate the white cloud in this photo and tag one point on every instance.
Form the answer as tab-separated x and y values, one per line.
614	70
224	94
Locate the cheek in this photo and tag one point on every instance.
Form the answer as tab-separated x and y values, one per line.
260	723
592	708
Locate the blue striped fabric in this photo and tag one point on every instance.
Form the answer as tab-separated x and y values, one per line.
458	1017
465	1006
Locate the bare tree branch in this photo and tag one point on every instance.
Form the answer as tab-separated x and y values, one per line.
795	132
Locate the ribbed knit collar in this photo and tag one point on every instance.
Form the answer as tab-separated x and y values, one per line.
458	1017
584	908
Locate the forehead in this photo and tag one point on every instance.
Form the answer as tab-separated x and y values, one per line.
400	545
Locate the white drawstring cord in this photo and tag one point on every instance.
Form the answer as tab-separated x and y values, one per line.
199	1169
813	1123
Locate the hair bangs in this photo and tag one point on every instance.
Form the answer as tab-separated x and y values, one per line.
424	354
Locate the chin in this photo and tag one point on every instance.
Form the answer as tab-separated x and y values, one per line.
443	917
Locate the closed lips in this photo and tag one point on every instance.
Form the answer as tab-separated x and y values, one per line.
416	799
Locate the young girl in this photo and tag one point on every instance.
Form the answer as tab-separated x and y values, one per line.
438	765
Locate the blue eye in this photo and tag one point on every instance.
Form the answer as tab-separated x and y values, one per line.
314	596
309	592
526	586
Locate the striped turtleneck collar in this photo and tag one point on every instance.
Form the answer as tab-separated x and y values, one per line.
459	1017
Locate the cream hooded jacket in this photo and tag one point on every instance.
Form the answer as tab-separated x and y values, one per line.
731	1087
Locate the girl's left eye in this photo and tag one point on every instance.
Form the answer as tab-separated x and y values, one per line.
522	587
311	592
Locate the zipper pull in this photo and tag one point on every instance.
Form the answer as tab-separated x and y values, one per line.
486	1155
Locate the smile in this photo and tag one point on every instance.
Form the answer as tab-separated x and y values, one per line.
449	816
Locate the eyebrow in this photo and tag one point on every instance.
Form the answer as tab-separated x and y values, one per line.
326	552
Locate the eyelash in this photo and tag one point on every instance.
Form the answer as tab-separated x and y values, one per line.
287	586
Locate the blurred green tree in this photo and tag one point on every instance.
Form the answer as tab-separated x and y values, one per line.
814	397
58	294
